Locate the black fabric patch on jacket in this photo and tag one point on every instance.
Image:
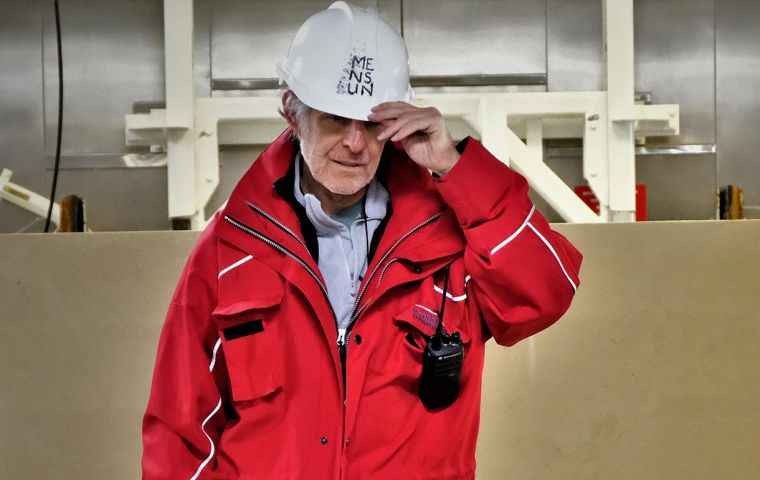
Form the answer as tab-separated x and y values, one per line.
243	330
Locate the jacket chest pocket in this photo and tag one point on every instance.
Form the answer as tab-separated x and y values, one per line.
418	318
246	318
418	322
414	324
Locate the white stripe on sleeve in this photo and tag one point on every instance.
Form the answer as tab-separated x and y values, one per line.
556	257
515	234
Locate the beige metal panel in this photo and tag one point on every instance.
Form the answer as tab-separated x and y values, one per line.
249	38
675	62
575	44
113	54
449	37
738	93
79	319
21	105
652	374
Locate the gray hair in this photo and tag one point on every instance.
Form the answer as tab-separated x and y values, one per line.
293	109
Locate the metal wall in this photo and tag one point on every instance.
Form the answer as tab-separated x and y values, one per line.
701	54
113	58
674	63
21	140
674	55
475	37
248	38
574	45
738	97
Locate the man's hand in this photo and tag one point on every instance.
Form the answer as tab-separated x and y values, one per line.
421	131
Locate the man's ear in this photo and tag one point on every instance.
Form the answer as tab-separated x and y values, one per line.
291	122
288	114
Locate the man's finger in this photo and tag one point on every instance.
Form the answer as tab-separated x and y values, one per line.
400	122
394	127
390	110
419	125
386	114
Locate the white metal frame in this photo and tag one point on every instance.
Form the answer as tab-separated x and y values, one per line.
193	128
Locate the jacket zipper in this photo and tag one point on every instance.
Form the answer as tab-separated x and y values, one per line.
341	341
379	280
356	311
282	226
342	332
282	249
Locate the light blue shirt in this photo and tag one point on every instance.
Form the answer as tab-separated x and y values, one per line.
343	249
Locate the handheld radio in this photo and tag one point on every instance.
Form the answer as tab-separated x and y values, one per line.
441	362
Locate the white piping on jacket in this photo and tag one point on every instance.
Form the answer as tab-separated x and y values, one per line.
527	223
218	406
213	447
213	357
514	235
556	257
449	295
234	265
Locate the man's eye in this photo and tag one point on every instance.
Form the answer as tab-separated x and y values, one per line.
337	118
372	124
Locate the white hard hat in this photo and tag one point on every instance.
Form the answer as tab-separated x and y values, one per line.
345	60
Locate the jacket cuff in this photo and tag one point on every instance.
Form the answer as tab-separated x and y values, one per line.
480	187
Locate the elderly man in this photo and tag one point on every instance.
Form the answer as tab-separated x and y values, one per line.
331	321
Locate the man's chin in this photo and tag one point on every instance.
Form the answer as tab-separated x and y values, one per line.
345	187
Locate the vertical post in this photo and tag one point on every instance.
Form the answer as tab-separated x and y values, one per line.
178	61
534	138
618	33
207	114
178	55
595	158
493	122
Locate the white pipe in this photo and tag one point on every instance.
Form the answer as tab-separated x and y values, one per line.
27	199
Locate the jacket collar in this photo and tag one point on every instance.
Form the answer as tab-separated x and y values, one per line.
413	198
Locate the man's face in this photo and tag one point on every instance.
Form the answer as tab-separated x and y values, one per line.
341	154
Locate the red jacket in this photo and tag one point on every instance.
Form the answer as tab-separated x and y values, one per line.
248	381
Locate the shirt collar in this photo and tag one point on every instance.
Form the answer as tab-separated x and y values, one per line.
375	207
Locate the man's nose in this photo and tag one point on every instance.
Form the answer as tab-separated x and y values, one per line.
355	136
